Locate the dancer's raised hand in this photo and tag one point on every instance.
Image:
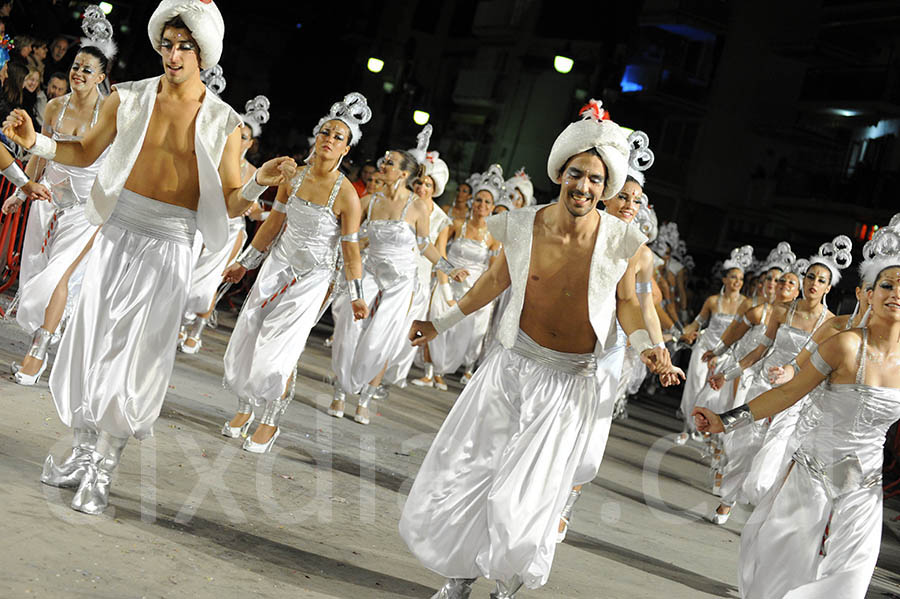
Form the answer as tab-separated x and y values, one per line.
19	128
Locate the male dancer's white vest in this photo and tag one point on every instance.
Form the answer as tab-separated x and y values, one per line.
616	243
215	121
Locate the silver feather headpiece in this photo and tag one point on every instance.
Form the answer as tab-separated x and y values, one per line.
640	156
781	257
835	256
99	32
667	239
256	114
214	78
491	181
646	221
741	258
353	111
882	251
420	152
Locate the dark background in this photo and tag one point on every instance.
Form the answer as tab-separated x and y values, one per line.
770	120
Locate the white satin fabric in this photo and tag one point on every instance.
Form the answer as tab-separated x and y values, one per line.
402	362
362	348
285	301
487	499
807	540
462	344
209	267
33	259
695	387
116	356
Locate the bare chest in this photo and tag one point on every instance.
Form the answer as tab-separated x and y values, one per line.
171	128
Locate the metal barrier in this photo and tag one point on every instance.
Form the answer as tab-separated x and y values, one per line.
12	234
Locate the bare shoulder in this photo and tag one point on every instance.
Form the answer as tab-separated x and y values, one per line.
51	110
842	348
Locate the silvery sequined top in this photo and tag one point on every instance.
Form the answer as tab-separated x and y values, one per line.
842	429
71	185
473	255
312	233
392	250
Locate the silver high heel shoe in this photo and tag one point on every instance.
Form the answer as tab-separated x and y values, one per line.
194	335
70	471
274	411
566	515
362	406
455	588
236	432
92	495
39	345
507	590
336	408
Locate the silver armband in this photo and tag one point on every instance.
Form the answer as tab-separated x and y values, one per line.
819	363
746	321
644	287
279	207
15	175
733	372
355	287
44	147
720	348
252	190
351	237
738	417
640	340
701	323
494	253
250	258
766	341
444	266
422	242
811	346
448	319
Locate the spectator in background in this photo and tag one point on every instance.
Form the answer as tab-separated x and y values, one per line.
30	88
5	8
58	59
38	57
24	45
365	175
12	94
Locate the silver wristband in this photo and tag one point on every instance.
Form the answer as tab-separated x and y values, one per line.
15	175
644	287
444	266
44	147
766	341
355	288
422	242
250	258
448	319
733	372
351	237
279	207
252	190
720	348
738	417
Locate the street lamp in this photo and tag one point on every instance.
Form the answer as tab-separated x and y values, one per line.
420	117
375	64
563	64
106	7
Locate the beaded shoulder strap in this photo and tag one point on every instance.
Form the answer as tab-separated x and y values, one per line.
409	201
790	314
861	362
300	177
62	112
335	190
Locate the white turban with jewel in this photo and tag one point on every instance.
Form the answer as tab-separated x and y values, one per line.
202	18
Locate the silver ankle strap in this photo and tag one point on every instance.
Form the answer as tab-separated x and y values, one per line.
245	406
366	396
276	408
570	503
40	343
197	329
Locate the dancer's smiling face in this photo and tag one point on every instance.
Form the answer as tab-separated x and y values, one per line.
86	72
582	183
788	287
884	298
770	281
733	279
626	204
424	187
180	54
483	204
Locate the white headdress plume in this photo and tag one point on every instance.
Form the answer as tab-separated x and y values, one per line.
438	171
781	257
202	18
521	181
256	114
882	251
420	152
798	267
214	79
595	132
640	156
491	181
647	223
353	111
667	239
741	258
835	256
99	32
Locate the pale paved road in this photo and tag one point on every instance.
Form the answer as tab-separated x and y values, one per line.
196	517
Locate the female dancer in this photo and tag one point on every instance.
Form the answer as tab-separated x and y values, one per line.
718	311
210	265
817	532
474	249
47	296
319	211
460	207
398	227
430	185
789	328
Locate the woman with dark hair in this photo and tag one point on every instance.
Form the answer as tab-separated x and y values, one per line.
58	234
398	224
12	93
